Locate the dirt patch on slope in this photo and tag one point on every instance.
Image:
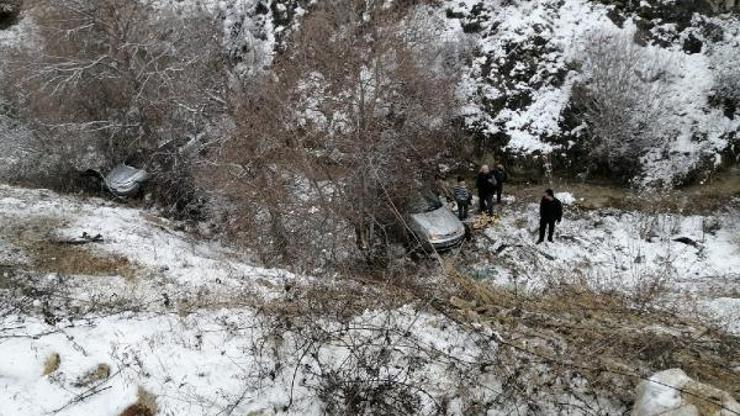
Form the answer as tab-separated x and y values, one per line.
35	236
74	260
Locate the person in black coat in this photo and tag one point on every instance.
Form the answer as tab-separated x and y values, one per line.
501	177
551	211
486	184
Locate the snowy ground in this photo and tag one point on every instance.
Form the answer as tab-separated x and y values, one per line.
180	324
182	318
617	250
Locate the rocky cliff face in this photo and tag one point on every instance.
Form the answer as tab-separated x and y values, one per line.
530	59
520	81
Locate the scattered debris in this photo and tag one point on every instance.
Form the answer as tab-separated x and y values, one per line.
484	221
85	238
688	241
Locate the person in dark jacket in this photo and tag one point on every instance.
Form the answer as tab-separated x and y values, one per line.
501	177
462	198
486	184
551	211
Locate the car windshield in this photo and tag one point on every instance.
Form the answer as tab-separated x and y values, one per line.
424	201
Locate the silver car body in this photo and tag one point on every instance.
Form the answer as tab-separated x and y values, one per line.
439	228
125	180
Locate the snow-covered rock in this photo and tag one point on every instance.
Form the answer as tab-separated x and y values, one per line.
673	393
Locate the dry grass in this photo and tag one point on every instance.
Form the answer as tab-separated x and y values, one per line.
94	375
340	302
76	260
34	236
700	199
604	335
52	363
146	405
695	391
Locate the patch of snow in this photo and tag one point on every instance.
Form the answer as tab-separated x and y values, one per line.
620	250
661	393
565	197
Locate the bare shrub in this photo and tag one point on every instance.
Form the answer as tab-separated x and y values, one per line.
146	404
94	375
51	364
727	77
621	101
120	81
338	138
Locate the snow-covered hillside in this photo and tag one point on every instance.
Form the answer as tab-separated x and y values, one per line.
169	315
150	315
694	259
281	152
530	56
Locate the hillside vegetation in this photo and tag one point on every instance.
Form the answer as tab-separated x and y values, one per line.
267	266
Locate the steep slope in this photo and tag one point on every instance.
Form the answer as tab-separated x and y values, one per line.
147	314
530	57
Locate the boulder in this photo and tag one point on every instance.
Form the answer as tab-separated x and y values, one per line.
673	393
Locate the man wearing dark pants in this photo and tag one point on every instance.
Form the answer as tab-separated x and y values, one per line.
486	184
551	211
500	174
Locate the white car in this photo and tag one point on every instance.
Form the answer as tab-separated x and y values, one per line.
434	224
125	180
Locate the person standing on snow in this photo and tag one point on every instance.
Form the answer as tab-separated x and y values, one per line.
486	184
551	211
462	198
501	177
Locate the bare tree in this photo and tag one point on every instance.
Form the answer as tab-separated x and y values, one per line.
125	79
727	76
354	114
621	100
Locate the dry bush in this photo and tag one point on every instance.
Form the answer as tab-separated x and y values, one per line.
724	58
330	147
609	340
120	81
146	405
621	101
94	375
52	363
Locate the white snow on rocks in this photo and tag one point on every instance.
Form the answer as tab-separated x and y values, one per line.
673	393
529	58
